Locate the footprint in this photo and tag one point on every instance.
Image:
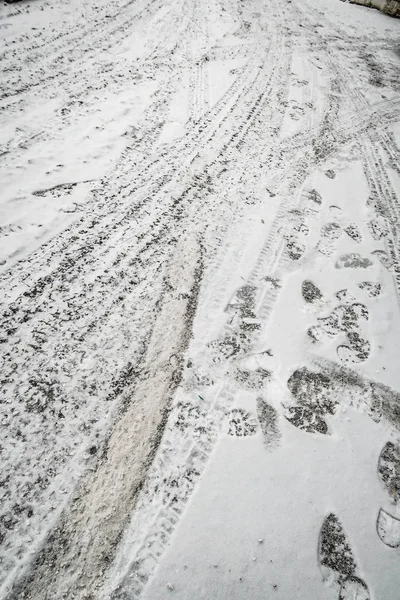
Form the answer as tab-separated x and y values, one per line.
187	415
353	260
388	526
389	470
353	232
302	228
336	211
242	423
300	82
330	325
296	112
310	292
311	392
244	301
273	282
325	247
316	334
294	221
306	419
252	379
350	315
295	250
383	258
378	228
242	305
336	558
315	197
334	550
70	106
345	296
347	355
332	231
344	318
226	348
354	589
357	351
373	290
388	529
268	419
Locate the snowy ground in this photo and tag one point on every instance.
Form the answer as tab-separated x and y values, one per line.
200	300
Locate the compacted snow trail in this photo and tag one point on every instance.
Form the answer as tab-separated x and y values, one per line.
200	300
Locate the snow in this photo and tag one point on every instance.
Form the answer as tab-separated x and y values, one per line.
200	325
248	494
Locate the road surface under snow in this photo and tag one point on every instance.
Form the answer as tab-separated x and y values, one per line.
200	318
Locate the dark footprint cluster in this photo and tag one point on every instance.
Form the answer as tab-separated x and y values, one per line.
335	554
344	296
269	423
389	470
353	232
187	414
353	260
373	290
388	526
345	319
296	228
378	228
243	307
315	197
357	350
331	231
252	380
242	423
244	302
295	250
226	348
383	258
334	548
310	292
313	401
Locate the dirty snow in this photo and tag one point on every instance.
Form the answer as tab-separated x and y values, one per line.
200	277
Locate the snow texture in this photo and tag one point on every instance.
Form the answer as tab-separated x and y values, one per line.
199	301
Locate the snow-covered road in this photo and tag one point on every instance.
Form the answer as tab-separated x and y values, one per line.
200	300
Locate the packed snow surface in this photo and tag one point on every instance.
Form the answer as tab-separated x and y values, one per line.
200	300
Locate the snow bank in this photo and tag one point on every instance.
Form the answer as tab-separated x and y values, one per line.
390	7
